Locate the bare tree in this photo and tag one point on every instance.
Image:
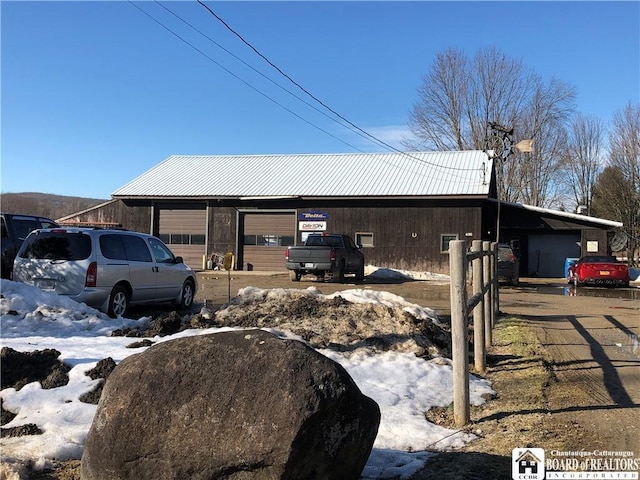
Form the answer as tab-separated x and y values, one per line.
458	99
438	118
584	158
618	193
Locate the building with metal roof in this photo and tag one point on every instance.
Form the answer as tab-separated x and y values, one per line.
370	175
403	208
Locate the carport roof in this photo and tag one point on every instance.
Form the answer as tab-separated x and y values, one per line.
566	215
465	173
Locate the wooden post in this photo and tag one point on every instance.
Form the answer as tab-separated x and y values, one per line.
495	300
479	350
459	343
486	280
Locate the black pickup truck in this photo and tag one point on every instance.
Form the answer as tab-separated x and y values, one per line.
15	229
325	254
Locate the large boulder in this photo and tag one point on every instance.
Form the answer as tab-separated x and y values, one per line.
234	405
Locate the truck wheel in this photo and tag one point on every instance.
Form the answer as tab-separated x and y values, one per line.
338	273
294	275
360	273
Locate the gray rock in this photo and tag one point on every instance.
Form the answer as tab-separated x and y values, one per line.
234	405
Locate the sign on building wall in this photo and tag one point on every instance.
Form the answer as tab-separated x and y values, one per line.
313	215
312	226
313	221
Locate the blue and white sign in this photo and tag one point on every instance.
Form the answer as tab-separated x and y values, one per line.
314	216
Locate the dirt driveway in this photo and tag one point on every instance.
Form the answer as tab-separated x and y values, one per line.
592	344
565	364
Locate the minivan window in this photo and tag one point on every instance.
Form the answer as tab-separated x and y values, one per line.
160	252
136	248
111	247
57	246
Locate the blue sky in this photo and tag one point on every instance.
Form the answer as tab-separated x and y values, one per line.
96	93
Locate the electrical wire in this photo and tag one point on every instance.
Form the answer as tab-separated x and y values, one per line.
279	70
237	77
356	131
244	81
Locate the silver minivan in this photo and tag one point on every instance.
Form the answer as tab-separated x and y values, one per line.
106	269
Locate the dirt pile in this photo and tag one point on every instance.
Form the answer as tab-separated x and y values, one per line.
335	323
323	321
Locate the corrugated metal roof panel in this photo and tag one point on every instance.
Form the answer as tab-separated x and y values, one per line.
315	175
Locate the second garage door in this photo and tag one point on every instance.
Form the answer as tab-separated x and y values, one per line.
265	240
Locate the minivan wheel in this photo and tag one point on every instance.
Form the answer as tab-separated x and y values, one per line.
186	295
118	302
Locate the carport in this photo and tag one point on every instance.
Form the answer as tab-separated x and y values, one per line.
543	239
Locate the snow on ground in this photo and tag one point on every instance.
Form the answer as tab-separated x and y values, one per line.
403	385
377	273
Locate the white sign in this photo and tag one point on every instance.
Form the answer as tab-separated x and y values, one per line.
592	246
312	226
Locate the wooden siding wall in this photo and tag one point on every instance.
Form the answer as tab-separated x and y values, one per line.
406	238
599	236
222	230
136	219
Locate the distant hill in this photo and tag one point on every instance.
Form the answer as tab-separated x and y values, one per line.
45	204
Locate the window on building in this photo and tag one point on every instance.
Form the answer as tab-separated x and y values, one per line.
197	239
180	238
268	240
183	238
364	239
445	238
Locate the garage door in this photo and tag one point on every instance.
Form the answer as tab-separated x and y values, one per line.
184	232
547	253
265	240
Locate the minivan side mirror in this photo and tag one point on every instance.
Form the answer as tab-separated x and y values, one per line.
179	260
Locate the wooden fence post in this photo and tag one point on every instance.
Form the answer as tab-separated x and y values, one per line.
486	280
495	286
459	340
479	311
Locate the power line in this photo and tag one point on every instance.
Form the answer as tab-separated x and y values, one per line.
258	71
242	80
237	77
279	70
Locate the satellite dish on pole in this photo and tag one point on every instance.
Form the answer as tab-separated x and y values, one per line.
619	241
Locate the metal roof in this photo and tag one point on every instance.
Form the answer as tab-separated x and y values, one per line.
315	175
571	216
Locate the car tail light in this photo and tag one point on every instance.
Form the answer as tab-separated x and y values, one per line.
286	255
92	275
332	255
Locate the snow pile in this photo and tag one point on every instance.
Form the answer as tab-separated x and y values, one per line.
403	385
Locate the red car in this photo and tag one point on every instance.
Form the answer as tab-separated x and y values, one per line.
599	270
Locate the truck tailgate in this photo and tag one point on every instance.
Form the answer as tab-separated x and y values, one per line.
310	255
